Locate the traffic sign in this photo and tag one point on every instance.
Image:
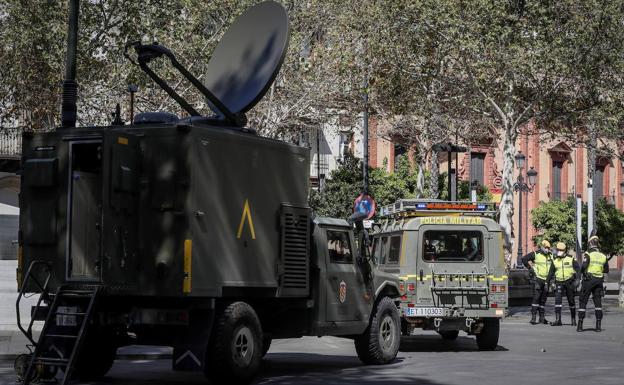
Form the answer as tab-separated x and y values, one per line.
365	204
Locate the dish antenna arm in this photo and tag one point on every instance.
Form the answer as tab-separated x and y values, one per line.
149	52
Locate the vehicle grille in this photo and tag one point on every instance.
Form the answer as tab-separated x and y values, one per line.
295	251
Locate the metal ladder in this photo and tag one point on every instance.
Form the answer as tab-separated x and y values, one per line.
64	330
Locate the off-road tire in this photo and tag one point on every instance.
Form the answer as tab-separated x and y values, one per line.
488	338
379	344
235	348
96	356
266	344
449	335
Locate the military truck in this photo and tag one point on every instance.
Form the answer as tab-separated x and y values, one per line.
449	256
189	232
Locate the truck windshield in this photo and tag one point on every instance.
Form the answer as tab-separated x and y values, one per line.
452	246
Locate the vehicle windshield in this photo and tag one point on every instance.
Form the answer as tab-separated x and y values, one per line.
452	246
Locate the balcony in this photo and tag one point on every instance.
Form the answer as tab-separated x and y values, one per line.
560	195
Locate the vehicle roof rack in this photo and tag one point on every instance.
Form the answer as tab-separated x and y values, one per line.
431	207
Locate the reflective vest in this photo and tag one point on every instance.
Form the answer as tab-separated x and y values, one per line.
596	264
564	268
541	265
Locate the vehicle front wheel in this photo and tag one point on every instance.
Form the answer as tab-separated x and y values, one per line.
379	344
449	335
235	348
488	338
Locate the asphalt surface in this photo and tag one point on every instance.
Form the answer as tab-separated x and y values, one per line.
526	354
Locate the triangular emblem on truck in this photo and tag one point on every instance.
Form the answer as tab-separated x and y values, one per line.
246	217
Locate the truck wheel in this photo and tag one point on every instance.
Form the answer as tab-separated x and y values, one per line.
96	357
449	335
266	344
235	349
379	344
488	338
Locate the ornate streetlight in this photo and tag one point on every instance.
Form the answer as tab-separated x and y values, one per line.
521	187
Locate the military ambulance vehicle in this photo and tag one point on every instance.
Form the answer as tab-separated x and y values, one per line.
189	232
449	256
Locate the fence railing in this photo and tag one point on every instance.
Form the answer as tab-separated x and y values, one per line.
10	142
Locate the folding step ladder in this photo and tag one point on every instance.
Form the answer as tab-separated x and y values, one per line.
64	331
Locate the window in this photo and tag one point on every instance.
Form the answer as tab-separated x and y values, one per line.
345	144
557	167
477	161
339	247
598	182
453	246
382	250
395	249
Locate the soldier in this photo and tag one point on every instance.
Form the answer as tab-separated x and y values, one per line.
540	267
595	265
566	273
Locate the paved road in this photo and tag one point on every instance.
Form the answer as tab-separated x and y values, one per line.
526	355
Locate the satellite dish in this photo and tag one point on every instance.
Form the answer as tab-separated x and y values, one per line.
248	57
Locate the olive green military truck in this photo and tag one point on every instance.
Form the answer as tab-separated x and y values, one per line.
449	257
192	232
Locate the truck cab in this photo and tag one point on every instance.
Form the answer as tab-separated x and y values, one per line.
449	256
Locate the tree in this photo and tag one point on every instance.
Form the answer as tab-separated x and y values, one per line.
556	222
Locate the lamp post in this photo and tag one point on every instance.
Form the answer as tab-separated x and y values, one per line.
521	186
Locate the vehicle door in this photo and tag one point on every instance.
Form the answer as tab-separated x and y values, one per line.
452	266
345	289
121	191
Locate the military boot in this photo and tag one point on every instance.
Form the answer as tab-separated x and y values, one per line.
557	319
598	324
533	320
579	327
573	316
542	317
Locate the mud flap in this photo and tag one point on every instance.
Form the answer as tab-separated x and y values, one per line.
190	349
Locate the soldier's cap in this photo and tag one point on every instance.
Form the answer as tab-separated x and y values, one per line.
561	246
545	243
593	238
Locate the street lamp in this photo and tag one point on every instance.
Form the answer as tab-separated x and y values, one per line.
521	187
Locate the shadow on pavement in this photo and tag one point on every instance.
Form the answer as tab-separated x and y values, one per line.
434	343
307	368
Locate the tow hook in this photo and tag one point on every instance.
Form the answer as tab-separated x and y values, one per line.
437	322
469	322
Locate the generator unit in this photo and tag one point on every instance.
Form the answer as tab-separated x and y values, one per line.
189	232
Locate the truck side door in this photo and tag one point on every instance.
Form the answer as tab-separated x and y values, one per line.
344	288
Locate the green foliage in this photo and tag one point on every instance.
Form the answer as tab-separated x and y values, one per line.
556	222
483	192
345	184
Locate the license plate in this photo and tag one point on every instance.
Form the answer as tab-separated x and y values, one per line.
424	311
64	319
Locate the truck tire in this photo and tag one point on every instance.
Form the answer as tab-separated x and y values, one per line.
96	357
449	335
266	344
488	338
379	344
235	348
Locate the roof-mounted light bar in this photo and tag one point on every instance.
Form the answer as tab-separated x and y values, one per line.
412	207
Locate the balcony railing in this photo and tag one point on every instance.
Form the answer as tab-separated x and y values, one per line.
560	195
10	142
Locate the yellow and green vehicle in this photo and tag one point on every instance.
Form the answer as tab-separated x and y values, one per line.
449	257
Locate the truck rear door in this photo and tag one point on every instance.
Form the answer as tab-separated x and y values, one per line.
452	267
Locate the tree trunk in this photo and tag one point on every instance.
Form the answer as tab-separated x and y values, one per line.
420	181
506	206
435	173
